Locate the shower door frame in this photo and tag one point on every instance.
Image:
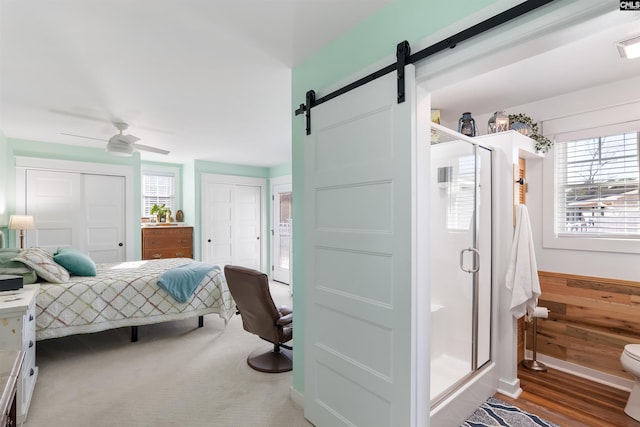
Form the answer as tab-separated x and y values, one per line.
476	367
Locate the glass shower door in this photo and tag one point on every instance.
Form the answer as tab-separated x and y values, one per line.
460	262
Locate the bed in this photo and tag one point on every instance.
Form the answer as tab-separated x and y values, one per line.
120	295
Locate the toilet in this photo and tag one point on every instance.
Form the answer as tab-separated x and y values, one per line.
630	360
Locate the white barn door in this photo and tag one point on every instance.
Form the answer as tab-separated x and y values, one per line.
358	248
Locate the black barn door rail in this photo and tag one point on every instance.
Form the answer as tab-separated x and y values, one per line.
404	56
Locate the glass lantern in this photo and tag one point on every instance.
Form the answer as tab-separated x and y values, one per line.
499	122
467	125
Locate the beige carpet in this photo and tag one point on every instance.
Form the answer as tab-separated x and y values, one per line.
175	375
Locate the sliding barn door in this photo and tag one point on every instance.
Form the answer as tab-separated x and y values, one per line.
358	237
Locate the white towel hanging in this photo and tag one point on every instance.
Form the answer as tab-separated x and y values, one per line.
522	274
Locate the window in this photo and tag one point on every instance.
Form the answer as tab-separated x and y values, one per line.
597	181
461	195
157	189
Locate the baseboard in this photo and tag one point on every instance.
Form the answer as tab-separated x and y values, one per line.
296	397
511	389
584	372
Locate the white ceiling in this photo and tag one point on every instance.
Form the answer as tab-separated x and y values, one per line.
205	79
210	79
572	59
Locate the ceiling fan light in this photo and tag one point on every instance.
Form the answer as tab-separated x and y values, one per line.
630	48
119	149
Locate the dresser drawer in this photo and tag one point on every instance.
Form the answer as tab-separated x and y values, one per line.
167	253
29	325
163	238
167	242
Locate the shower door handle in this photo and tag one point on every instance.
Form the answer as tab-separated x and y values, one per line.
477	257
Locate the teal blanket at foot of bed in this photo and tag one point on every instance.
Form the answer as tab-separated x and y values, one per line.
181	282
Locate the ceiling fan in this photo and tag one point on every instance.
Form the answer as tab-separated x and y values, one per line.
121	144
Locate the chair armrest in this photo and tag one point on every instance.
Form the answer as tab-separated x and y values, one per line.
285	320
284	310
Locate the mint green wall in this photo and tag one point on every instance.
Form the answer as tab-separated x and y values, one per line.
278	171
190	174
371	41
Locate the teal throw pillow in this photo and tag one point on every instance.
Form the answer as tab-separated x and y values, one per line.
76	262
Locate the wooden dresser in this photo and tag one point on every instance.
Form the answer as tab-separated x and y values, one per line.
167	242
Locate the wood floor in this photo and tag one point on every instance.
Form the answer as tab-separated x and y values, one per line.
571	401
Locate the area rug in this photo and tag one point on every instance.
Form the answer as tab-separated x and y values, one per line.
496	413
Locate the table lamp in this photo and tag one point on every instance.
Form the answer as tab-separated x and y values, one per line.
21	222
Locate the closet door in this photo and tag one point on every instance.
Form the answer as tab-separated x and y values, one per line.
55	201
231	224
246	223
82	211
217	223
104	217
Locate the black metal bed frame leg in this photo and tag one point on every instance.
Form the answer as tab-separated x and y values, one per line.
134	334
200	321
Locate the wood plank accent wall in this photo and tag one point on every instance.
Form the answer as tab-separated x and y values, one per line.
590	322
520	172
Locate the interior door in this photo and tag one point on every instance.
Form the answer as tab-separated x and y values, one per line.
231	219
281	228
217	223
104	217
246	226
55	201
358	249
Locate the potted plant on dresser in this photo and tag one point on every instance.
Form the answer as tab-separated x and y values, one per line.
160	212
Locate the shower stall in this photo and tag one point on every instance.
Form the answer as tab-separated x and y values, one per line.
461	270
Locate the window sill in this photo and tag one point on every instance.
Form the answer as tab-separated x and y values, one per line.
579	243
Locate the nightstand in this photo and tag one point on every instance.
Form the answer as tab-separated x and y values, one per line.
18	332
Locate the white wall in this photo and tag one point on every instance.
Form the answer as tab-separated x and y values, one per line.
613	102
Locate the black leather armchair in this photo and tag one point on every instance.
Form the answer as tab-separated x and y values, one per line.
250	290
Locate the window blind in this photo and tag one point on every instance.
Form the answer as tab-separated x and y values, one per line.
157	189
597	182
461	195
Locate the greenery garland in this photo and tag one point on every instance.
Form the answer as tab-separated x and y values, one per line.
543	144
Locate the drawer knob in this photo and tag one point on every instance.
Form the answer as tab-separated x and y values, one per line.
31	372
157	255
30	343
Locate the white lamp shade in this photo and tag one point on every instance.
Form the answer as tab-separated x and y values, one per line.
21	222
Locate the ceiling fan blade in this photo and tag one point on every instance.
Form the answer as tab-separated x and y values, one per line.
128	139
151	149
82	136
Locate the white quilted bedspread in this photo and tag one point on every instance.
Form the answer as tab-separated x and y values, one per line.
125	294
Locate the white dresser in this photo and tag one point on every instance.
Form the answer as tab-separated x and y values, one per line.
18	332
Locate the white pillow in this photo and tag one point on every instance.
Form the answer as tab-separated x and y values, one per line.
43	264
